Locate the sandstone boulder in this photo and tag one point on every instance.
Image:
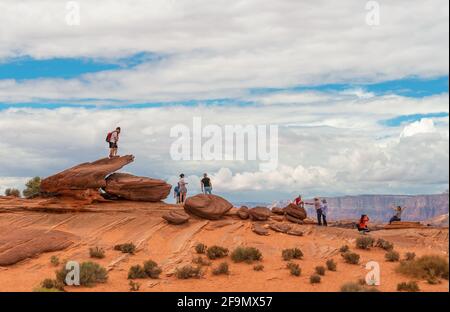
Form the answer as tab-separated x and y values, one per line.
293	219
135	188
243	213
207	206
259	213
280	227
259	229
176	217
295	211
278	211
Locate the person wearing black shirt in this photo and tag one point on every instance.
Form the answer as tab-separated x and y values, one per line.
206	184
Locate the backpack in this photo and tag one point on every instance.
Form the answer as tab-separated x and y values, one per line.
108	137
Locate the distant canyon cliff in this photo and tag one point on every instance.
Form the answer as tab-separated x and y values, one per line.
418	207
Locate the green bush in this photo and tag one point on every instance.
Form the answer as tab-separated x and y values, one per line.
410	256
12	192
188	271
344	248
357	287
126	248
425	267
216	252
32	188
134	286
331	265
291	253
258	267
408	286
392	256
294	268
384	244
201	261
364	242
52	284
152	269
351	257
91	273
136	271
54	260
247	254
200	248
222	269
97	253
320	270
314	279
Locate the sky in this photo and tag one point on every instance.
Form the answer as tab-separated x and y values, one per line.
357	89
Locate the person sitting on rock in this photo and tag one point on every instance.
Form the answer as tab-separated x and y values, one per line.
397	214
112	139
362	226
318	208
324	208
206	184
182	188
299	202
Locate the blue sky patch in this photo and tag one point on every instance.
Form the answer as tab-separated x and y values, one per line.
399	120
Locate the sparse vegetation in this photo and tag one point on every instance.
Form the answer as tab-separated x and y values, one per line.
134	286
258	267
392	256
408	286
12	192
364	242
320	270
384	244
32	188
314	279
51	285
357	287
222	269
97	253
188	271
126	248
91	273
201	261
331	265
344	248
351	257
247	254
294	268
136	271
200	248
291	253
425	267
410	256
152	269
54	260
216	252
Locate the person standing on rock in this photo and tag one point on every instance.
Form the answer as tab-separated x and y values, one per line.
182	188
206	184
324	208
318	208
112	139
299	202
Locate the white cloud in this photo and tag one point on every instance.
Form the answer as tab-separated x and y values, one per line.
425	125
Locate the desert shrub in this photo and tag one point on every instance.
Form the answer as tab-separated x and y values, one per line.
96	252
32	188
258	267
408	286
352	287
410	256
314	279
42	289
188	271
433	280
49	283
247	254
425	267
152	269
392	256
344	248
364	242
320	270
134	286
222	269
126	248
54	260
384	244
92	273
200	248
351	257
201	261
331	265
291	253
294	268
216	252
362	281
136	271
12	192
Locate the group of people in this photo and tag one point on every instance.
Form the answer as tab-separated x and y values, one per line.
320	206
180	190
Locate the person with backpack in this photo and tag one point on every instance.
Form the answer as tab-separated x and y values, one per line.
206	184
176	193
112	138
182	188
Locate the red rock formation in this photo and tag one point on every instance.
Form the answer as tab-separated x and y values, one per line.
176	217
295	211
207	206
131	187
259	213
